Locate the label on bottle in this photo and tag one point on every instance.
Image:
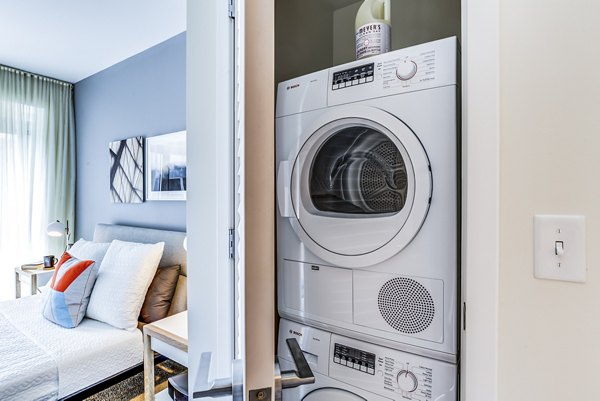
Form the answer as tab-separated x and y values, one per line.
372	39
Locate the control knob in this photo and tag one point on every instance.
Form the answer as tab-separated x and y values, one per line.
407	381
406	70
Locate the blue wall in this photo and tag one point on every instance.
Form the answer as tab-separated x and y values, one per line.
143	95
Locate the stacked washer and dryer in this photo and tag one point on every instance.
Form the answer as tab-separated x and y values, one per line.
368	201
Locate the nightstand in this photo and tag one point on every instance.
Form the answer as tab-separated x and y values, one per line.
169	338
35	278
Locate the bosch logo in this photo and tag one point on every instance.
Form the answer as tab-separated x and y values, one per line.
296	333
293	86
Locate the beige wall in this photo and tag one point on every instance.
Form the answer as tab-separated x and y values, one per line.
413	22
549	331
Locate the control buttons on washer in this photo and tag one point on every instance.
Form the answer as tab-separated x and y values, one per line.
406	69
354	358
407	381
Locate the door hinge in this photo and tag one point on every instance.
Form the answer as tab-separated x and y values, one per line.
464	315
231	243
231	8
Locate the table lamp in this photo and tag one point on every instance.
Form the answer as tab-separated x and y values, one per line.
58	229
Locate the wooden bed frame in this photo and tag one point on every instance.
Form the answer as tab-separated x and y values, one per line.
174	254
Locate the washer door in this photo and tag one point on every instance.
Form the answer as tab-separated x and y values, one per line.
332	394
360	187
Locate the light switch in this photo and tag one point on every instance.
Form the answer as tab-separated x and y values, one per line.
559	247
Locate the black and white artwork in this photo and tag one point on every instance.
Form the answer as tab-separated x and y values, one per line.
127	170
166	167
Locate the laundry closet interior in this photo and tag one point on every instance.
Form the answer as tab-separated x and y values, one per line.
368	200
311	35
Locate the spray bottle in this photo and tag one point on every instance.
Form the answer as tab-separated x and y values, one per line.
373	30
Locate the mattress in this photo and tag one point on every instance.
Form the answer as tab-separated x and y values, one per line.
84	355
27	372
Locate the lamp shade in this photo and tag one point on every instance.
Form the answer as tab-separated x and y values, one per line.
56	229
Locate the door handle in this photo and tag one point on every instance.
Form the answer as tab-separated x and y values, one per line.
284	192
304	374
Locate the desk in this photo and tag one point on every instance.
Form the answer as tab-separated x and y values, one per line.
35	277
169	337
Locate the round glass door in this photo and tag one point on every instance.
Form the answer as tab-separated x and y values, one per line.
360	188
358	170
332	394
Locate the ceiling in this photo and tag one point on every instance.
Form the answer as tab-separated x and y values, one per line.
73	39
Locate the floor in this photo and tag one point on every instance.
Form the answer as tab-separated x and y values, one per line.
132	389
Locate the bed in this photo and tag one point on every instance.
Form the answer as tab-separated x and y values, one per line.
43	361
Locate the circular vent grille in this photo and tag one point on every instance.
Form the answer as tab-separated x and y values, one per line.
406	305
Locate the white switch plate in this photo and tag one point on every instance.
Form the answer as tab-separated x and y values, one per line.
548	233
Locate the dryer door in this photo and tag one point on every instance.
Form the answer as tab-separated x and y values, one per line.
360	186
332	394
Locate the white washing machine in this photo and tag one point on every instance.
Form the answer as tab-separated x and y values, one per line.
367	192
351	370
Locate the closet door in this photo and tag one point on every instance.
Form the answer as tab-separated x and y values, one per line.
231	205
210	115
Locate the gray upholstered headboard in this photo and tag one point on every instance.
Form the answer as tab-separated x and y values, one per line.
174	253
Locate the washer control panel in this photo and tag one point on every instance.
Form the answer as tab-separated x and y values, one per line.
414	382
391	373
354	358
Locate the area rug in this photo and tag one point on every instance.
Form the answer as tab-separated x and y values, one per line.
132	389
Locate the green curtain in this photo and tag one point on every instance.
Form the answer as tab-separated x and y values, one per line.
37	168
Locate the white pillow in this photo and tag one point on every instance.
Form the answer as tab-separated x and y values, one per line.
123	280
89	250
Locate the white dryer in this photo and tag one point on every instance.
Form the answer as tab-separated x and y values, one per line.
350	370
367	192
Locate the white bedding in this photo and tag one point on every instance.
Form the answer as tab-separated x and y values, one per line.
84	355
27	372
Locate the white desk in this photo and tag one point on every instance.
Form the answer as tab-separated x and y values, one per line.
168	337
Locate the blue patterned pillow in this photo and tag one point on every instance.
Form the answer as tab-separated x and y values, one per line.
68	294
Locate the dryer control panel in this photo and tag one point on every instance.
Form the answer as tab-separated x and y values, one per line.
359	75
390	373
425	66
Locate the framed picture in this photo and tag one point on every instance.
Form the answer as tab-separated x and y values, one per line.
166	167
127	170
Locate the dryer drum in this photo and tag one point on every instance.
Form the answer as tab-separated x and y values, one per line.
358	170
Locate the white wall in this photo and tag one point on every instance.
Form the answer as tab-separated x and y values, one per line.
549	331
